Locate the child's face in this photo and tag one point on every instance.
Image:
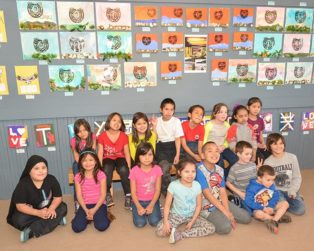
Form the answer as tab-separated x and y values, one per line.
246	155
255	108
39	172
196	116
267	180
141	126
211	153
115	123
147	158
278	147
188	173
222	114
88	163
83	133
167	111
242	116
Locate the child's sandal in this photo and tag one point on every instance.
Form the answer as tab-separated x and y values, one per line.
272	226
285	219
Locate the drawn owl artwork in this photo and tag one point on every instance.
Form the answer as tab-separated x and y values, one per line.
270	16
172	67
178	12
146	40
139	72
218	14
172	39
66	76
114	42
113	15
244	13
110	75
271	73
299	71
197	14
300	16
40	45
268	43
222	65
77	44
27	79
76	15
35	10
242	69
297	43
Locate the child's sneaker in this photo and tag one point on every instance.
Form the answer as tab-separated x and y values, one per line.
234	199
172	238
127	202
25	234
109	200
272	226
63	221
285	219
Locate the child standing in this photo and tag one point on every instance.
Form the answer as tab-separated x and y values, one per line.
113	150
90	184
215	205
145	180
261	199
288	177
184	194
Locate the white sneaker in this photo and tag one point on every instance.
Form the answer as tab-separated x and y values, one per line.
172	239
24	236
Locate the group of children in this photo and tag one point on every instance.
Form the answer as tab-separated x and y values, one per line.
143	159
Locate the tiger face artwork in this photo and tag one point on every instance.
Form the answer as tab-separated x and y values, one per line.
218	14
139	72
113	15
197	14
35	10
268	43
172	67
77	44
300	16
299	71
76	15
242	69
297	43
271	73
244	13
178	12
66	76
222	65
270	16
40	45
146	40
114	42
244	37
172	39
218	38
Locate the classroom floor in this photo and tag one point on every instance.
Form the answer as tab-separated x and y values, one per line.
122	235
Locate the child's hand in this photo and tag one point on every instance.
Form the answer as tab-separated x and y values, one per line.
141	211
42	213
51	213
176	159
229	215
259	162
166	228
189	225
149	209
197	157
262	146
221	148
242	195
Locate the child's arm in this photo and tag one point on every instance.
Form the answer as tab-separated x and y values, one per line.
199	148
178	145
75	154
127	154
235	190
94	142
225	203
189	151
296	178
232	137
150	207
101	200
100	152
196	212
140	210
166	224
262	143
51	212
26	209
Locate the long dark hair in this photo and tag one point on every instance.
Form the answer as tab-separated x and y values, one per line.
109	118
142	149
83	155
136	117
217	108
236	109
182	164
89	140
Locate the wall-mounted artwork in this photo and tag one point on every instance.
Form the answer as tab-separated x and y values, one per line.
99	127
113	44
271	74
146	43
218	42
242	71
140	74
128	126
104	77
296	45
267	45
299	72
299	20
243	17
286	121
307	121
3	33
37	15
172	41
312	47
172	16
195	53
196	17
171	70
18	136
113	16
40	45
71	131
270	18
268	121
219	69
4	90
45	135
242	41
146	15
219	17
27	80
76	16
66	78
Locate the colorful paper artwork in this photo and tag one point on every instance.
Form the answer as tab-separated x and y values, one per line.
195	53
270	19
307	121
146	16
299	20
4	90
78	45
27	80
128	125
140	74
267	45
71	131
172	41
296	45
196	17
183	119
76	16
219	17
171	16
146	43
113	16
271	74
242	71
99	127
171	70
299	72
268	121
218	42
114	45
40	45
286	121
18	136
44	134
243	17
242	41
66	78
3	33
37	15
219	69
312	47
104	77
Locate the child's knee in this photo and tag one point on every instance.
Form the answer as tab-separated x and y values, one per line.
77	228
101	226
223	228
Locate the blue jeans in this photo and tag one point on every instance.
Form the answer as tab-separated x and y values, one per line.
193	145
229	156
296	205
153	218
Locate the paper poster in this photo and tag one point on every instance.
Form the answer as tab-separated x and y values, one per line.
206	119
140	74
286	121
218	42
195	53
37	15
242	71
45	135
114	45
299	72
171	16
296	45
267	45
183	119
242	41
307	121
113	16
71	131
4	90
219	69
66	78
128	126
76	16
219	17
172	41
27	80
271	74
104	77
40	45
99	127
3	33
146	43
18	136
312	47
270	19
196	17
299	20
268	121
243	17
146	15
171	70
